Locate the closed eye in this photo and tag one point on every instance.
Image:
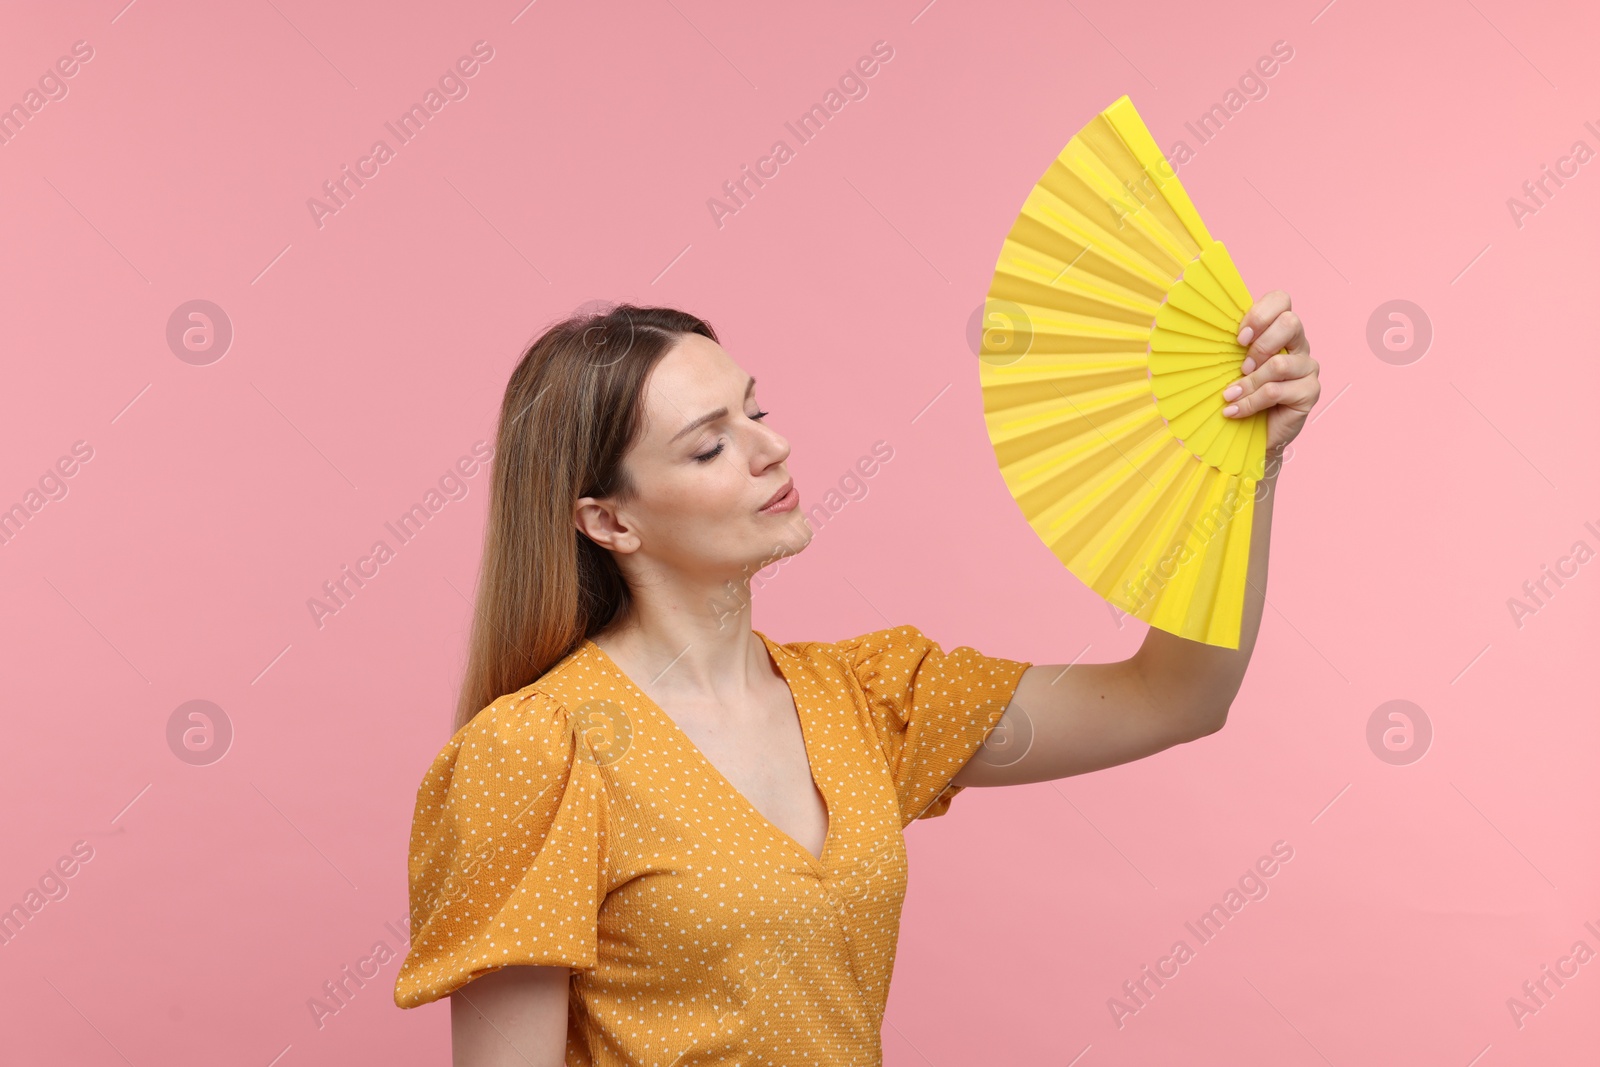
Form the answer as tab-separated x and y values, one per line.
707	457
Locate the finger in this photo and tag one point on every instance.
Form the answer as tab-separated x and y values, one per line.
1285	333
1282	367
1300	392
1277	368
1261	314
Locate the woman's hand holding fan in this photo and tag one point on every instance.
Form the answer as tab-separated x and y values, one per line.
1285	384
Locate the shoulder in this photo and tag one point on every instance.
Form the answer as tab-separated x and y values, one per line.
522	739
898	666
534	721
511	767
853	653
572	715
876	662
525	722
878	668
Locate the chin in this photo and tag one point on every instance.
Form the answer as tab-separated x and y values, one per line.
781	541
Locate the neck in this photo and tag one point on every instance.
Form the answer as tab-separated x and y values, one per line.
678	653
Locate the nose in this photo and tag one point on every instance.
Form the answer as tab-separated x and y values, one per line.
774	448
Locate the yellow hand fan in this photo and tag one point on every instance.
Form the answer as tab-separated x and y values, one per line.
1109	333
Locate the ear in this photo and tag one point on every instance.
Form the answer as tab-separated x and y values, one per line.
598	520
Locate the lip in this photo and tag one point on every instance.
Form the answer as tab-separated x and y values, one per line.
782	500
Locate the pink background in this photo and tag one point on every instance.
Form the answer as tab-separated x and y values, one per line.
370	354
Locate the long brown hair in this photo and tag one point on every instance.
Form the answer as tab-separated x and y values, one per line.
573	407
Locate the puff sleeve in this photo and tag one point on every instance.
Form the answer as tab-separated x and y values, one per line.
506	852
931	710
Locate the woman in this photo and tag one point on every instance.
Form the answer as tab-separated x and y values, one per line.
659	837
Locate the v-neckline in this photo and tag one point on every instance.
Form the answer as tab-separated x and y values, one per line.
817	863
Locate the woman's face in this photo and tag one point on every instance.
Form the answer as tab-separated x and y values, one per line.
704	466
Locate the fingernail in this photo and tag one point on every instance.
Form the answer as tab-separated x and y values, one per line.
1230	409
1232	392
1248	365
1245	334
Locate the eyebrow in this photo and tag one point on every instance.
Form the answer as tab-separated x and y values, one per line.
711	416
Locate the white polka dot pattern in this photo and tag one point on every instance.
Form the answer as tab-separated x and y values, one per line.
696	930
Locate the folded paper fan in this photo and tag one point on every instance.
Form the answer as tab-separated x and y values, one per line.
1109	333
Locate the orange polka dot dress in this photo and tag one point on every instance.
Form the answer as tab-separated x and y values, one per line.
573	823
